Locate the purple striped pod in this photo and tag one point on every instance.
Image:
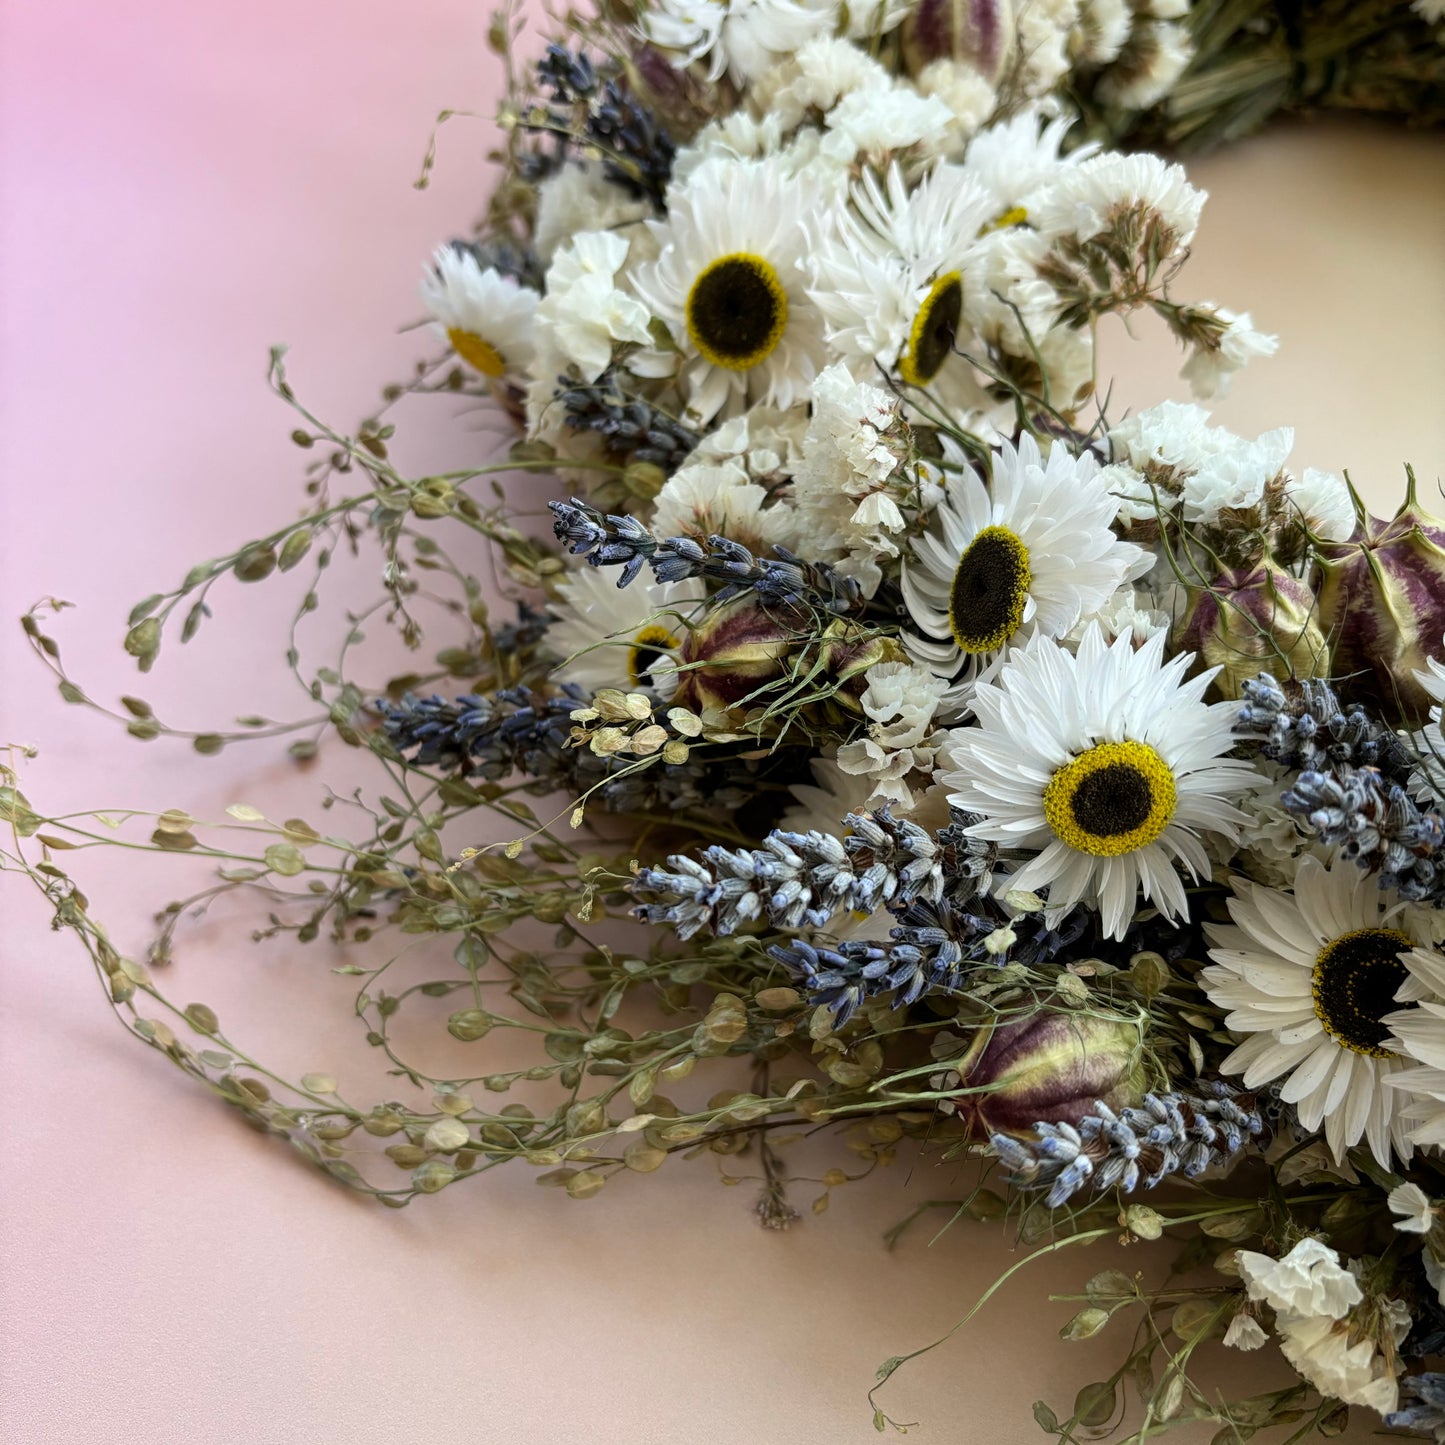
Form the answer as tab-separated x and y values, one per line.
979	33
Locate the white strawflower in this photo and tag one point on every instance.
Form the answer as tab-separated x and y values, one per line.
1109	763
626	637
1209	368
1017	161
1032	552
728	284
1312	978
1308	1281
488	319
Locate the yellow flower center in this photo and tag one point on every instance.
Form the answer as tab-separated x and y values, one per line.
989	591
1354	983
931	337
476	352
649	647
1014	216
1111	800
737	311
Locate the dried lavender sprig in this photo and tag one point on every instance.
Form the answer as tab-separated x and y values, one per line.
523	731
1378	824
629	424
794	878
1306	727
507	257
637	153
1168	1134
1422	1400
934	947
621	541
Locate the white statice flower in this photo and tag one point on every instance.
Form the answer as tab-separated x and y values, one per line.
740	38
1168	454
1344	1364
1210	368
735	137
1033	552
969	96
488	319
1044	29
814	80
1412	1204
1091	199
1431	10
847	485
900	702
1109	763
872	127
1309	1280
622	637
729	286
1311	978
1322	502
889	275
1157	54
1245	1333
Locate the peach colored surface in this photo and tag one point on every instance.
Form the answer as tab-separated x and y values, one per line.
185	185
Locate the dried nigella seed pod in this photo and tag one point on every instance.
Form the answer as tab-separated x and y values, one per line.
978	32
1253	620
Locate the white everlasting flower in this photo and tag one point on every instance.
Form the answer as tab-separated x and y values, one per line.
580	198
1209	368
1245	1333
1088	200
622	637
890	272
1033	552
488	319
1417	1032
822	804
1311	977
1109	763
1338	1364
1016	162
1323	503
728	284
1308	1281
739	37
706	498
1412	1204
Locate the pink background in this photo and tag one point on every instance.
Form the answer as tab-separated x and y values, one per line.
183	186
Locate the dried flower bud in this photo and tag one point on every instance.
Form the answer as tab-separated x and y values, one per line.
1047	1067
1382	602
1253	620
979	33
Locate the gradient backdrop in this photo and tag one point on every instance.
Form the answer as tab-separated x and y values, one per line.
183	186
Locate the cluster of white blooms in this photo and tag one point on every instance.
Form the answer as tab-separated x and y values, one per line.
1320	1326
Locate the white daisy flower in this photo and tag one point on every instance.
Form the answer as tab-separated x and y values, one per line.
486	318
1428	782
889	275
1017	160
1312	977
624	637
1418	1033
821	806
1032	552
729	286
1109	763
